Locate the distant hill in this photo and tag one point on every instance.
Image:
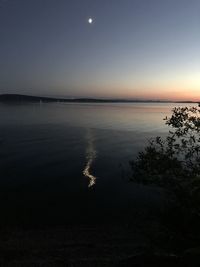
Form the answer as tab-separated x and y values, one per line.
6	98
24	98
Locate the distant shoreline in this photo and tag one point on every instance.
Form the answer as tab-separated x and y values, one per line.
5	98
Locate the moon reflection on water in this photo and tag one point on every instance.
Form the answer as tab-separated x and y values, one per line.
91	155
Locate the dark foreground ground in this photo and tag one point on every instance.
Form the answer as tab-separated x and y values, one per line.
76	246
70	246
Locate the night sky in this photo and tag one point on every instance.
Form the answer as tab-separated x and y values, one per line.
147	49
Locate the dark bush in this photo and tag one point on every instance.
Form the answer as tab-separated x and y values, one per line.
173	163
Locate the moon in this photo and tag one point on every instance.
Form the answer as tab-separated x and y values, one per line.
90	20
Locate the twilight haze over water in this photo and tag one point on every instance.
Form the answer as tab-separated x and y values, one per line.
132	49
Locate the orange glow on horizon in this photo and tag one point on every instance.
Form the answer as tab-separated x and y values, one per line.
151	94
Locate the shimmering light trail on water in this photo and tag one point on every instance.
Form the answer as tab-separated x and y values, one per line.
90	157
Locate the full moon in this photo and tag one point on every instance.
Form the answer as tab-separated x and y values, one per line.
90	20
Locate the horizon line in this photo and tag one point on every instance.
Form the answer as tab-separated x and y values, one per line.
101	99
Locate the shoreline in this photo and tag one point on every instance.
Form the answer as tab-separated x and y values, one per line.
6	98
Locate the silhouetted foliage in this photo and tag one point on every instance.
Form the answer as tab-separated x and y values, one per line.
173	163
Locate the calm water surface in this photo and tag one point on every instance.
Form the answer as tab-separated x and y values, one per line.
69	162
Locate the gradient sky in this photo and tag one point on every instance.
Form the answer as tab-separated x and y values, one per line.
134	49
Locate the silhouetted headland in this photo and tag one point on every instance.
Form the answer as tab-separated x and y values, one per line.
28	98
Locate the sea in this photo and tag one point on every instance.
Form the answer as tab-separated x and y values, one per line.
69	163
